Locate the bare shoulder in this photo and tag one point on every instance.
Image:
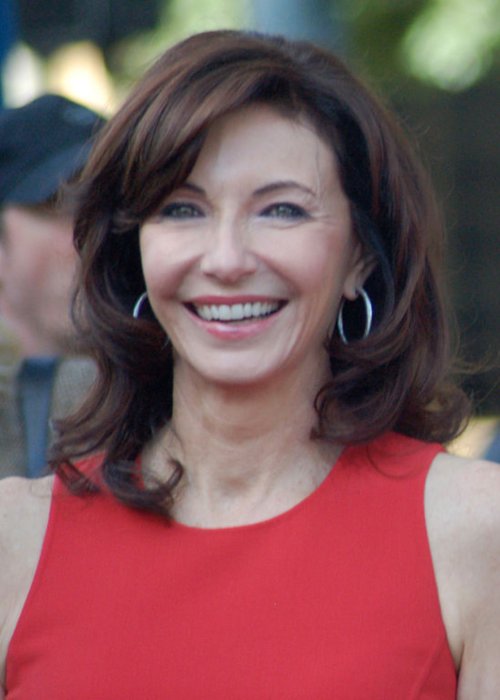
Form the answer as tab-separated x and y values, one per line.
472	482
24	508
463	519
463	498
24	512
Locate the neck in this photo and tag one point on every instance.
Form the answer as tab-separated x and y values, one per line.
246	451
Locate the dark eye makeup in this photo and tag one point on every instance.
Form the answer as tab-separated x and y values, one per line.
279	210
285	210
181	210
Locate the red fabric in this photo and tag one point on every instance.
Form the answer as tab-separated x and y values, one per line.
335	598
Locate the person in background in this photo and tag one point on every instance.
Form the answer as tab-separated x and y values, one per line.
42	145
268	510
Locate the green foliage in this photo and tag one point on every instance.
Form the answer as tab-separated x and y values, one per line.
450	44
179	19
445	43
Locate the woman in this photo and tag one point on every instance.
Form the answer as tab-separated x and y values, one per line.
267	512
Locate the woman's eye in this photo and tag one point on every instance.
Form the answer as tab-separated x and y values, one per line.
284	210
181	210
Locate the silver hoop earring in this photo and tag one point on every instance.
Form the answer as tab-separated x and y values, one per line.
138	305
368	321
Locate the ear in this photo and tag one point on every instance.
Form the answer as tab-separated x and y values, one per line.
361	268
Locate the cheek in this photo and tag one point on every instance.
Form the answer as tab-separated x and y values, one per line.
320	265
164	264
161	279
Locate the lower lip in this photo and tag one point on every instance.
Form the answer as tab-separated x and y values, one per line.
235	330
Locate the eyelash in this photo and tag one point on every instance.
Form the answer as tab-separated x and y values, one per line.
280	210
288	211
181	210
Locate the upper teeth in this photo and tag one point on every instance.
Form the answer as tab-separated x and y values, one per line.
236	312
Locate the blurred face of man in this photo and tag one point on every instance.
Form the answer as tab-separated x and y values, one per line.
37	266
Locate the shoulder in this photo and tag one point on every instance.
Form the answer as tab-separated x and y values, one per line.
463	518
463	511
464	495
20	499
24	512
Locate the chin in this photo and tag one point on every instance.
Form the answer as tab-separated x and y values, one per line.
235	374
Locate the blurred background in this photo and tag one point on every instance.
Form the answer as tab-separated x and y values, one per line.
436	62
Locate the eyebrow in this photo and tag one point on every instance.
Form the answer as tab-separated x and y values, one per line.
265	189
282	185
191	186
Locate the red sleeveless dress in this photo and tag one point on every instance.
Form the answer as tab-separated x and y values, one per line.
336	598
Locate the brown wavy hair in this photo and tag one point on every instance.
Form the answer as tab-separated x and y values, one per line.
395	379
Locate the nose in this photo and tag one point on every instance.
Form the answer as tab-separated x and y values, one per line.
228	255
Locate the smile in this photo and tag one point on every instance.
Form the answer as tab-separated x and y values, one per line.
236	312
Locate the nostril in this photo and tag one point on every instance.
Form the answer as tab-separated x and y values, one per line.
228	264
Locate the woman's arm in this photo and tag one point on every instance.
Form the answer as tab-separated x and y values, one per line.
463	517
24	510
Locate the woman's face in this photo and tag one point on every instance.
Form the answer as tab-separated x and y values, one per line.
246	263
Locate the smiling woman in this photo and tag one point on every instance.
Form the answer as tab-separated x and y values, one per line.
266	508
264	262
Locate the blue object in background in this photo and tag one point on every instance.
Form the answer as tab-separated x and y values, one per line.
493	451
36	380
8	34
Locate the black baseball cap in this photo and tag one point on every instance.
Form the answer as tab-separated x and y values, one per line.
43	144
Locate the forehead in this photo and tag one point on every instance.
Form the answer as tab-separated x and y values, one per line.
260	139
